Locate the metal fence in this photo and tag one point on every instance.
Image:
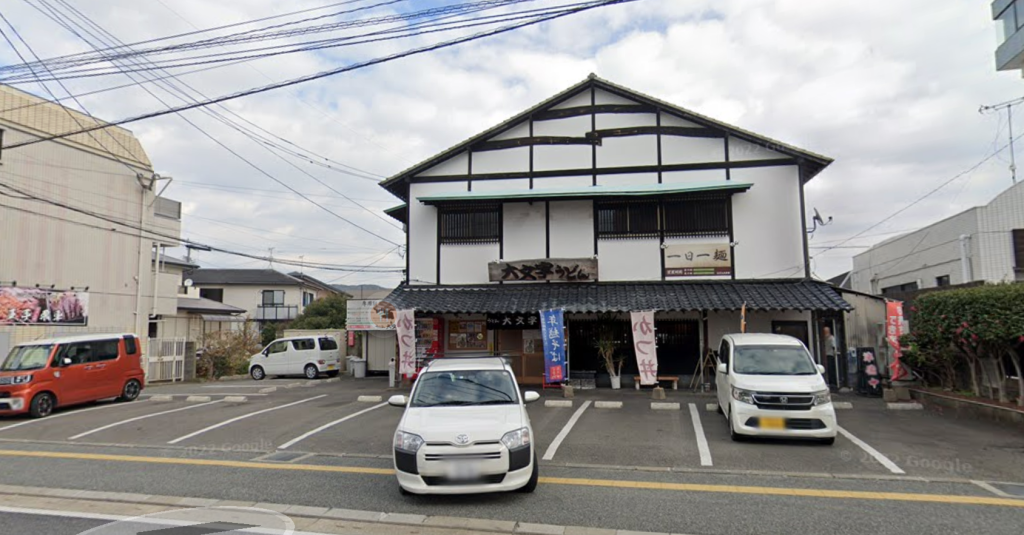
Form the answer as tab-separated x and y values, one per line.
166	360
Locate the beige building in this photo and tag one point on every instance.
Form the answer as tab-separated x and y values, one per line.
266	295
81	220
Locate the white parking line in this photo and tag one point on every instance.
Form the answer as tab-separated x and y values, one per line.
702	440
242	417
300	438
62	414
137	418
871	451
186	394
992	489
550	454
235	386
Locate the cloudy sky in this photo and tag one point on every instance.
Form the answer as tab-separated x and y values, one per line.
891	90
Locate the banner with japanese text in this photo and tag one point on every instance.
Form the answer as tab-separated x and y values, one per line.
553	335
405	325
893	332
645	347
43	306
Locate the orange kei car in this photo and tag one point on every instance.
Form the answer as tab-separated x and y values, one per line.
36	377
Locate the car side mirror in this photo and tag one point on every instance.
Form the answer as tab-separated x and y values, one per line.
722	368
821	369
66	361
530	396
398	401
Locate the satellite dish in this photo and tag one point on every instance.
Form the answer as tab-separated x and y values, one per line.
188	283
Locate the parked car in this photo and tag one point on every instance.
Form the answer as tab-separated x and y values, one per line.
302	355
768	385
465	430
37	377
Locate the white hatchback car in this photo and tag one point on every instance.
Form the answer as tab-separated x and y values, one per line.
308	356
465	430
768	385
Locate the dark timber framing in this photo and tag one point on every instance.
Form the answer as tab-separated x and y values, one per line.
438	275
803	228
531	153
593	127
593	208
547	229
660	172
661	222
777	162
728	175
595	137
732	240
469	181
593	109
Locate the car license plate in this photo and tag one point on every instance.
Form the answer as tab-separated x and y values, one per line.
772	424
331	367
462	471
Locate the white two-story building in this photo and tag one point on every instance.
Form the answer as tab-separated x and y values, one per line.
601	201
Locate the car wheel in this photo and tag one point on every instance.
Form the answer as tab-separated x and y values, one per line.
42	405
828	441
333	374
719	409
531	485
257	373
311	371
131	391
736	437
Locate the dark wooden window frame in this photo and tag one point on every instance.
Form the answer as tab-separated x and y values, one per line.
689	216
462	224
627	219
1018	248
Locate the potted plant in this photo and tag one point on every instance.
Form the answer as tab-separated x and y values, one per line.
606	347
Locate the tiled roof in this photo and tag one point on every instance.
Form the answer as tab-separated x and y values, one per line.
620	296
268	277
201	304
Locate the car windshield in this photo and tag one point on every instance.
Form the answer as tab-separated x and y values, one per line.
772	360
26	358
468	387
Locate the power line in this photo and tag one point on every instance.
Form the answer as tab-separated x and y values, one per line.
331	72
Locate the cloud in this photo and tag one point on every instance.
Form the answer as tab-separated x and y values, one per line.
890	90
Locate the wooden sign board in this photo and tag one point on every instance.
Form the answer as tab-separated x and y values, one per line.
544	269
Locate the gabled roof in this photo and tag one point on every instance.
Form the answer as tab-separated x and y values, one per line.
812	162
254	277
206	306
312	281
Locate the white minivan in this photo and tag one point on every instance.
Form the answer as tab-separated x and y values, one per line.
768	385
301	355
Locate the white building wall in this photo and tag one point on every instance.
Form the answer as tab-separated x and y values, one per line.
467	264
572	230
919	256
629	260
767	223
996	261
423	231
524	230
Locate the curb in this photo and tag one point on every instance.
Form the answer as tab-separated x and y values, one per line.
563	403
198	399
268	390
842	405
236	399
607	404
664	406
161	398
711	407
904	406
371	517
370	399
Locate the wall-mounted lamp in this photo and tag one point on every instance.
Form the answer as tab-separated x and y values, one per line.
733	243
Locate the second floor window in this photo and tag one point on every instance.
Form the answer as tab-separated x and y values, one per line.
307	298
690	217
273	298
470	224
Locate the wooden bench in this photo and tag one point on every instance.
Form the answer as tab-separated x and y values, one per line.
674	379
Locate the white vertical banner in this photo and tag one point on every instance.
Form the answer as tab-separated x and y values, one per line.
405	324
644	346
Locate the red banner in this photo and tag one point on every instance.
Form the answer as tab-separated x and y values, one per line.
893	332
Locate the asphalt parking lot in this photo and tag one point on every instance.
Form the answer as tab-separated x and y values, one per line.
290	419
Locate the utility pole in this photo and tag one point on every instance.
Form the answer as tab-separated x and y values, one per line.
1008	106
271	249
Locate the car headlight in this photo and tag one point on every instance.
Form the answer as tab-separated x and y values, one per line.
22	379
822	397
514	440
744	396
407	441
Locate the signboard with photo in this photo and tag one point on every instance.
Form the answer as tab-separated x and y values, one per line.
369	315
467	335
698	260
38	306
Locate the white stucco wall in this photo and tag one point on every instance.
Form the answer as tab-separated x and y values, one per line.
524	228
995	239
572	229
767	223
467	264
629	260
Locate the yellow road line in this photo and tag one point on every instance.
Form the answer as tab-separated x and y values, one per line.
581	482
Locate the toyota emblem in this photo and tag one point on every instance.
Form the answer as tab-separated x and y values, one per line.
462	440
784	399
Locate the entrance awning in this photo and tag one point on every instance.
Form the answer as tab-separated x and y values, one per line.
762	295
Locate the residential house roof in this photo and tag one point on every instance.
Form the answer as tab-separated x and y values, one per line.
174	261
841	280
313	281
812	163
243	277
761	295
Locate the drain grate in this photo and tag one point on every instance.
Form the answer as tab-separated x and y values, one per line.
281	457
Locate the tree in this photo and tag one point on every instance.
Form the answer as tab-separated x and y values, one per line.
227	352
324	313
